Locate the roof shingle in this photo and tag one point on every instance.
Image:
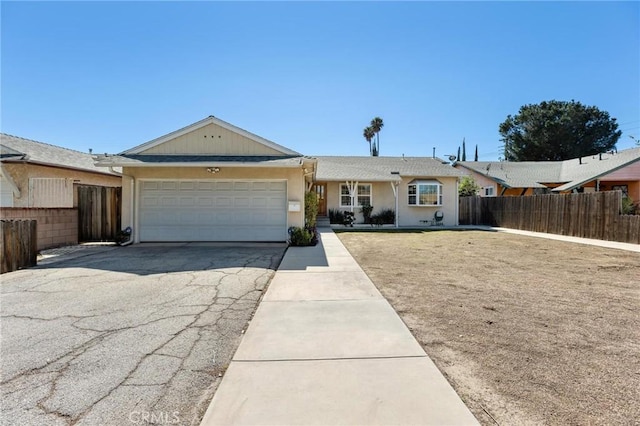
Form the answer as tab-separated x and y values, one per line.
15	148
386	169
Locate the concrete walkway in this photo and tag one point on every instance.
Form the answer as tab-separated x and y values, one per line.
587	241
325	347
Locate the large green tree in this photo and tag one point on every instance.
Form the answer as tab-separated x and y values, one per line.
557	130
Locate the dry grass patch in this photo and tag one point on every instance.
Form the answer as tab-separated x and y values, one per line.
527	330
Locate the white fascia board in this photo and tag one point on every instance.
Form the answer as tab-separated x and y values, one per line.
64	167
205	122
204	164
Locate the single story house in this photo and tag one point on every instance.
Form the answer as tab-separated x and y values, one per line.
211	181
414	187
602	172
36	174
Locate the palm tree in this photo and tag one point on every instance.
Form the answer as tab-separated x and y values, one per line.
368	134
377	125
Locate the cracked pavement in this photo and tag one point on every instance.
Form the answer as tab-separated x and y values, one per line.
132	335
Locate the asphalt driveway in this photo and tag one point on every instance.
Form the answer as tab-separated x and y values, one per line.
127	335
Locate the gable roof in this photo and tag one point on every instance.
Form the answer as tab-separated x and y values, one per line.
570	173
205	122
380	169
17	149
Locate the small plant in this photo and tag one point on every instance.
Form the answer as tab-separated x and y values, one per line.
336	216
348	218
366	211
384	217
629	207
301	237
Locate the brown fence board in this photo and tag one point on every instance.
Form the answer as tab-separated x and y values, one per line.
18	244
589	215
98	212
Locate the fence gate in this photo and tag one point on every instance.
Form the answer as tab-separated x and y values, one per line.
98	212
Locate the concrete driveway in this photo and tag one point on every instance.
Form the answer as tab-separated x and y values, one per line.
127	335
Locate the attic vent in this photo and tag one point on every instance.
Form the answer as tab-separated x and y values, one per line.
395	173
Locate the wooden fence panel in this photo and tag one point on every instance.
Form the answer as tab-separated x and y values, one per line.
98	213
19	244
589	215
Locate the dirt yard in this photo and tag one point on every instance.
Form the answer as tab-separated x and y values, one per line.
527	330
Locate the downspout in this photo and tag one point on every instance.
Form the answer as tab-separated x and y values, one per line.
458	202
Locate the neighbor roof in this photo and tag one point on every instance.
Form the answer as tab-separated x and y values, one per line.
386	169
571	173
205	122
17	149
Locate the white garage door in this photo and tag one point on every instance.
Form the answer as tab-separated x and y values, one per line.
208	210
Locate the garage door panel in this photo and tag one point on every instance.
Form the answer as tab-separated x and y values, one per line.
213	211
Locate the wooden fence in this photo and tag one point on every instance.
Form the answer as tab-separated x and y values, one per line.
18	244
589	215
98	212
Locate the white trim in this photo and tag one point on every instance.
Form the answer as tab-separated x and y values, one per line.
205	122
12	185
202	164
353	192
439	194
492	188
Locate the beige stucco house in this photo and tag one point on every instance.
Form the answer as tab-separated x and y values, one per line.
36	174
211	181
414	187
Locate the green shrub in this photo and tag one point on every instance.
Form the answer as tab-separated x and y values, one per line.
302	236
629	207
388	216
336	216
468	187
366	212
310	209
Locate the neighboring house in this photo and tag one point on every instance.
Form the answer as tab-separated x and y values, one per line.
36	174
211	181
414	187
602	172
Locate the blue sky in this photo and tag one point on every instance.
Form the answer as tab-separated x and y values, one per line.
311	75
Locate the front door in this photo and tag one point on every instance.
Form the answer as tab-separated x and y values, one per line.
321	192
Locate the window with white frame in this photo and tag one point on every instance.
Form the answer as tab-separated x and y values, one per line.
489	191
363	195
424	193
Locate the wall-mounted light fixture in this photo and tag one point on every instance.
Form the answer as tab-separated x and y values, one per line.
213	170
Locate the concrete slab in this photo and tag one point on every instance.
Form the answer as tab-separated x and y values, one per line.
326	330
318	264
351	285
337	392
567	238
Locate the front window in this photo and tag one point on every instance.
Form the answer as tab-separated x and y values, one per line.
489	191
427	193
363	195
